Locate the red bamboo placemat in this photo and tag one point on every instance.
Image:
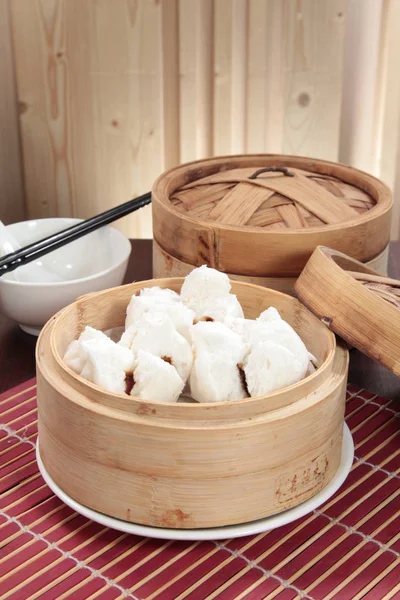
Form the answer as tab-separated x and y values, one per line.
347	549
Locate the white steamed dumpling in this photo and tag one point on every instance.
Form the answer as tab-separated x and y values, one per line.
269	367
203	283
270	315
161	300
218	355
155	379
74	355
100	360
206	291
287	359
198	339
282	333
271	327
246	328
155	333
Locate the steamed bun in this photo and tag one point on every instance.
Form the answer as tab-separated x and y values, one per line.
155	333
282	333
160	294
198	341
207	292
269	367
203	283
160	300
155	379
100	360
246	328
218	353
276	356
269	315
271	327
74	355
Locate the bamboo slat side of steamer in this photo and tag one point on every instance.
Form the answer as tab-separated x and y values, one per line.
166	265
355	302
189	465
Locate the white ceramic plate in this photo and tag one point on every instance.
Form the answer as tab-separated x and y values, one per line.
214	533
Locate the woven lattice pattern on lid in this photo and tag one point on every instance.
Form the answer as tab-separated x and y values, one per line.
273	198
386	288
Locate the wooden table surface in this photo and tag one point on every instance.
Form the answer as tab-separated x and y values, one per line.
17	349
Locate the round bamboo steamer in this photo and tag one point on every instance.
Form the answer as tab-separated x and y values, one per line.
263	215
166	265
189	465
355	302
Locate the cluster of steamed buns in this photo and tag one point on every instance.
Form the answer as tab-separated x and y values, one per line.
197	341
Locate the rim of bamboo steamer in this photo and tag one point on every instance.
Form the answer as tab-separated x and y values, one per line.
279	252
166	265
68	323
355	302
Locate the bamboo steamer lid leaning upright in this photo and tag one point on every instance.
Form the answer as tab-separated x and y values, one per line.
355	302
260	217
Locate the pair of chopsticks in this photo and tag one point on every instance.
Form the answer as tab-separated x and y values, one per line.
31	252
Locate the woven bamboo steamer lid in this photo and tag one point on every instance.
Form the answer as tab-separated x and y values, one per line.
355	302
263	215
189	465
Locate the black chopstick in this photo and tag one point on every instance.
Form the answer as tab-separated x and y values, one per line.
31	252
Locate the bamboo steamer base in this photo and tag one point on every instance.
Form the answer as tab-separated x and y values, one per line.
166	265
189	465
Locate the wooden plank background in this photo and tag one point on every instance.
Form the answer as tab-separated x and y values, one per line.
11	180
104	95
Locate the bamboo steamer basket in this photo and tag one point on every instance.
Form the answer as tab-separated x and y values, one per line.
355	302
189	465
260	217
165	265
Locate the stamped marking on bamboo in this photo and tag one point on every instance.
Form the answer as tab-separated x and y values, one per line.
301	482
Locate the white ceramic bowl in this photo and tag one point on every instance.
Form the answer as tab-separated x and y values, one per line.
95	262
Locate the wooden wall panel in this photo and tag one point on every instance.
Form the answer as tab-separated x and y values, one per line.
89	77
266	76
127	102
196	57
387	131
358	145
39	41
223	42
295	56
239	47
187	66
314	43
113	93
204	77
170	82
389	149
11	181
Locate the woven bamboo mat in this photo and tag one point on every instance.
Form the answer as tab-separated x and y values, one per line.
348	549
